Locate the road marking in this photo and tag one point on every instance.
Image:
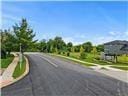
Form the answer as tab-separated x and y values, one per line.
49	61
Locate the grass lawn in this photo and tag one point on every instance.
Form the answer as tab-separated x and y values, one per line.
123	61
7	61
74	60
122	68
90	58
19	71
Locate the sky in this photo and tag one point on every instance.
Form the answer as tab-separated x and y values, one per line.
78	22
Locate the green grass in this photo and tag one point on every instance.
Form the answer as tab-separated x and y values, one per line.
122	60
86	64
90	59
122	68
19	71
7	61
82	63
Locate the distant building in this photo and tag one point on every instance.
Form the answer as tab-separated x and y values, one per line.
115	48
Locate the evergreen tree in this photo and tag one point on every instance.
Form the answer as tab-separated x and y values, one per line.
24	35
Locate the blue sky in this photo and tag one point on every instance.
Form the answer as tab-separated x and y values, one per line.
77	22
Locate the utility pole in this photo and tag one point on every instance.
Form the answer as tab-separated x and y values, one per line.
20	56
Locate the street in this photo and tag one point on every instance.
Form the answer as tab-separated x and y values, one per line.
54	76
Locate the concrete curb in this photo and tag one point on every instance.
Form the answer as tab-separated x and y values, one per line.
19	78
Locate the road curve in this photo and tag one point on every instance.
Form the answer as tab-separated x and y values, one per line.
53	76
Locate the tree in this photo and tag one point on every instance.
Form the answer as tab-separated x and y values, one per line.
42	45
81	49
82	53
87	46
8	42
77	48
50	45
24	35
73	49
56	50
59	43
100	48
3	40
94	51
69	46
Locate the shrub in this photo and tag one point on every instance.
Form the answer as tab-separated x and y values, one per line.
59	52
82	55
97	58
3	54
68	53
63	52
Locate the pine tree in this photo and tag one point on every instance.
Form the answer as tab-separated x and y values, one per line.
24	35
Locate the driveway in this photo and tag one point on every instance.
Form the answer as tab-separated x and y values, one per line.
53	76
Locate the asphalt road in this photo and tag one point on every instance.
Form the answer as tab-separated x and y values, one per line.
53	76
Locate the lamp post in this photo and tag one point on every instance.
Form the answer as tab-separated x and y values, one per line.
20	56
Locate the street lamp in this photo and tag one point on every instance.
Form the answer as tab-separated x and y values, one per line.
20	56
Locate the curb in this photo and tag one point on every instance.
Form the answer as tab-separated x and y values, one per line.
18	78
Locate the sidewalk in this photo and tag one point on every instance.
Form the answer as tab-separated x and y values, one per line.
120	75
8	73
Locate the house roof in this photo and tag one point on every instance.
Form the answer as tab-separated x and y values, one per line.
125	48
117	42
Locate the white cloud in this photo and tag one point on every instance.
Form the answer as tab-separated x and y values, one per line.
82	36
104	39
70	39
126	33
119	34
114	33
10	17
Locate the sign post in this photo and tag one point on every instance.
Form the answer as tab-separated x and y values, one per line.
20	56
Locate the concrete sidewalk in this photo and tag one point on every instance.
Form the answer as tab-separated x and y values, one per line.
8	73
120	75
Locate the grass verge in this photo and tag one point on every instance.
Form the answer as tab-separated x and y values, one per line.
19	71
121	67
74	59
96	59
7	61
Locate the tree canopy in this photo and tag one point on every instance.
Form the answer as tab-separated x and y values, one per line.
23	34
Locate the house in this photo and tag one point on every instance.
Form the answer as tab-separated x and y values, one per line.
115	48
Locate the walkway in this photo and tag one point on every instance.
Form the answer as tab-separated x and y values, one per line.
8	73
